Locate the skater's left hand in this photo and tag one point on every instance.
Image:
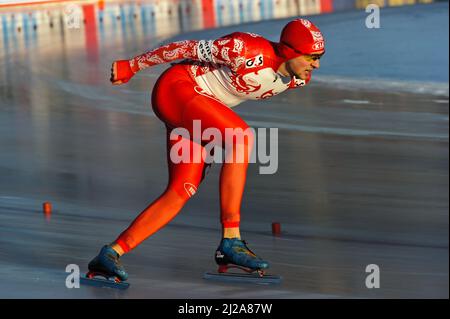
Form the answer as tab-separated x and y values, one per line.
121	72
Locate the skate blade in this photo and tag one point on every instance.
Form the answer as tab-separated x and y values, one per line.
103	283
253	278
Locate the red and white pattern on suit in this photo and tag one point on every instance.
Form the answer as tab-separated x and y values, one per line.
235	68
214	76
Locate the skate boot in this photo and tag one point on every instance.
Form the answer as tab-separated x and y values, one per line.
234	253
107	265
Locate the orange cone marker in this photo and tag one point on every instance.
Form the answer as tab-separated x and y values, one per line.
276	229
47	207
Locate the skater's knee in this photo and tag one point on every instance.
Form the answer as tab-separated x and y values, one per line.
182	191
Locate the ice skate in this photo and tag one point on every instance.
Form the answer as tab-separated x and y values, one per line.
108	267
234	253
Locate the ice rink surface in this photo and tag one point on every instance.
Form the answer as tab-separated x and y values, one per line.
362	175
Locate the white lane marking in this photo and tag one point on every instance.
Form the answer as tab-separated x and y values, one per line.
355	101
345	131
441	101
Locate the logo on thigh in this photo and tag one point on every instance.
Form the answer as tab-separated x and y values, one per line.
190	189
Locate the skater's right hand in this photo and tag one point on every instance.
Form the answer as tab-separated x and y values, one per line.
121	72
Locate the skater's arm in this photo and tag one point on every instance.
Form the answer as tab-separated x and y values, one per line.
173	51
227	50
123	70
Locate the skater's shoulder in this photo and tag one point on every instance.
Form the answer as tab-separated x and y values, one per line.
246	44
248	39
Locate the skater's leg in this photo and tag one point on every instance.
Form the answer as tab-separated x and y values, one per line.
214	114
189	103
184	179
232	183
180	110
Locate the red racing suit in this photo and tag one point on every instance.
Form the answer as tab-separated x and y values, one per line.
234	68
214	76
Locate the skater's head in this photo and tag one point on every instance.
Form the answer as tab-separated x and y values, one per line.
301	36
301	45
